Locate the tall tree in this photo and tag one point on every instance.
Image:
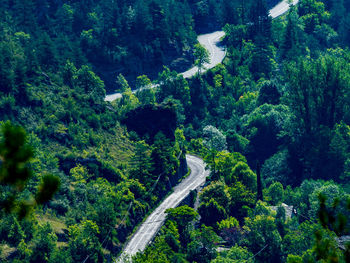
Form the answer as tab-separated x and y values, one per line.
259	195
215	141
290	45
141	163
202	57
317	96
260	21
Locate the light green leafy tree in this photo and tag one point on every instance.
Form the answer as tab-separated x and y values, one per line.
202	57
275	193
202	247
235	254
83	242
44	243
182	216
145	93
263	237
215	141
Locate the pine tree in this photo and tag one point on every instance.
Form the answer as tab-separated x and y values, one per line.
259	31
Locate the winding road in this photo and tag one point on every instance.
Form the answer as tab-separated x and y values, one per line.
281	8
217	53
150	227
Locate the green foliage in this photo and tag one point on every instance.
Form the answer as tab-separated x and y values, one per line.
80	174
297	241
269	93
182	215
241	199
211	213
165	160
145	93
15	233
44	243
340	150
263	235
235	35
241	172
225	161
83	242
332	192
15	172
235	254
202	56
292	35
288	112
216	191
264	126
165	248
173	85
294	259
230	231
228	223
275	193
214	139
316	98
141	163
202	248
14	152
276	168
90	84
127	103
312	13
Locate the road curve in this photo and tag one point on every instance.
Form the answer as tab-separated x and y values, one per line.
217	53
146	232
281	8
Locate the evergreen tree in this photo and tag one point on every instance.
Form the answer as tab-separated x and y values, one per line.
290	46
259	195
25	11
260	22
141	163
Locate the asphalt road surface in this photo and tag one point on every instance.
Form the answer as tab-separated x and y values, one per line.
146	232
216	53
281	8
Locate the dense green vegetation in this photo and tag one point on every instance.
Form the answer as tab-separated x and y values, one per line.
279	101
109	179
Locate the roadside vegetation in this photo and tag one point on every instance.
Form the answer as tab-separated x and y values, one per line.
271	122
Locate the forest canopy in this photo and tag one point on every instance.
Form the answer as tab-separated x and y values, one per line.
79	174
